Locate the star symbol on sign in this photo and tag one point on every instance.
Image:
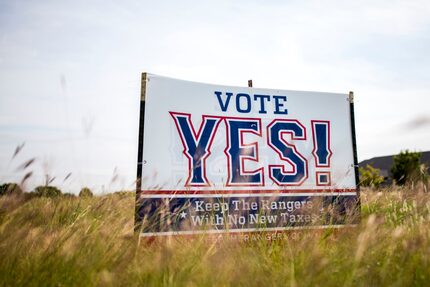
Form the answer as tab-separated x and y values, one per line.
183	214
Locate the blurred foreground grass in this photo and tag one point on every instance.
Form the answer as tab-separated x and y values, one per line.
90	242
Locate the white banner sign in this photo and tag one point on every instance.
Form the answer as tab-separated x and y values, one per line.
203	141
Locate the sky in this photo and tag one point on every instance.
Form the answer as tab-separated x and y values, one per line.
70	73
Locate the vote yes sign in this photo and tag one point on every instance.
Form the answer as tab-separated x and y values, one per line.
217	158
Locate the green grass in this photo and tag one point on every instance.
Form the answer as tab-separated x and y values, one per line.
90	242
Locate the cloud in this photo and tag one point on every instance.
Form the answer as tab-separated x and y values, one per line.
417	123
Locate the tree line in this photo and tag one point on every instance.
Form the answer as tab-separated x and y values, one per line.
40	191
407	169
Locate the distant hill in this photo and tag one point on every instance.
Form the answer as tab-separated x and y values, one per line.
384	163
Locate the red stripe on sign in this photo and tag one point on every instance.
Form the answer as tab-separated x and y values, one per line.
246	191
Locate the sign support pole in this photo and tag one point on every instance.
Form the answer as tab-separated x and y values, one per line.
354	147
137	221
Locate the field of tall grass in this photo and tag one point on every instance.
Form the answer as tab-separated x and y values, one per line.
68	241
